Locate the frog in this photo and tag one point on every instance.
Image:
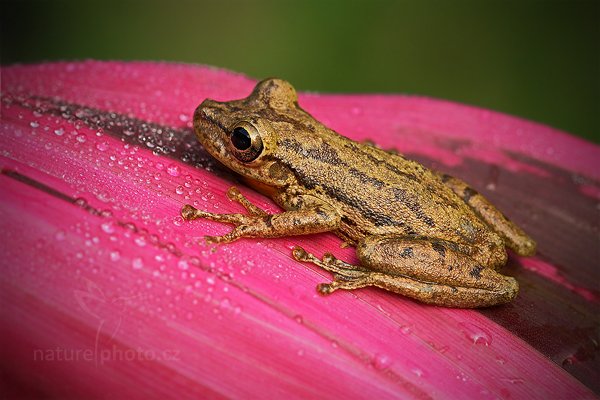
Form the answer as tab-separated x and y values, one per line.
417	232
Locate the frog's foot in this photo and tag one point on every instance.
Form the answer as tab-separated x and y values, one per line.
328	288
258	223
513	236
241	221
329	263
244	223
189	212
346	276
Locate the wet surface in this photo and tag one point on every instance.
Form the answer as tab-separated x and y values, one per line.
556	311
564	221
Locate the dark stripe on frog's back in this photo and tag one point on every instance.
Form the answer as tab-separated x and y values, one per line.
377	207
328	155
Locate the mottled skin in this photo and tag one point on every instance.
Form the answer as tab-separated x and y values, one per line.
417	232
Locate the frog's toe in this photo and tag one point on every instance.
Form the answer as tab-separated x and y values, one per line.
300	254
329	258
234	193
230	237
344	282
188	212
325	288
213	239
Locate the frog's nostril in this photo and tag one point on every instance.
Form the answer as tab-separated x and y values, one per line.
204	111
207	112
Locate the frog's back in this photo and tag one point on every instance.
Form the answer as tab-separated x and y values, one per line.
381	193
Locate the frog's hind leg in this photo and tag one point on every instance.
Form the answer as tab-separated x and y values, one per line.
513	236
416	267
433	271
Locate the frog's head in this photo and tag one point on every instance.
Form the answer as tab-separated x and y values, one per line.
241	135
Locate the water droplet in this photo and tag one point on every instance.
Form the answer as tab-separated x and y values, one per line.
417	371
476	334
173	170
381	362
513	380
102	146
183	264
34	124
60	235
225	304
462	376
183	118
179	189
59	131
299	319
103	196
115	255
108	227
178	221
81	138
569	361
140	241
137	263
210	280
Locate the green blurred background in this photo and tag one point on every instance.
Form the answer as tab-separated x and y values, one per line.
535	59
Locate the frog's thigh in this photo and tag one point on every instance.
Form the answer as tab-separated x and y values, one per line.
513	236
433	272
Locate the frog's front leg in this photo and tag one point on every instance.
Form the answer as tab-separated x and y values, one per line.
314	217
425	269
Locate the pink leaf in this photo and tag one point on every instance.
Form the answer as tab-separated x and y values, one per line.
106	290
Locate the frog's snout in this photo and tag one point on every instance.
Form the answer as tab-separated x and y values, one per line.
208	103
207	109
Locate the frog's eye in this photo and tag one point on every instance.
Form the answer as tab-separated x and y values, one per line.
246	142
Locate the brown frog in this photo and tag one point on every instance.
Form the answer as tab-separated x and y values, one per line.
417	232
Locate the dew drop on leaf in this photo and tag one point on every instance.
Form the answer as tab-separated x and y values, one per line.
108	227
173	170
102	146
137	263
381	362
115	255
